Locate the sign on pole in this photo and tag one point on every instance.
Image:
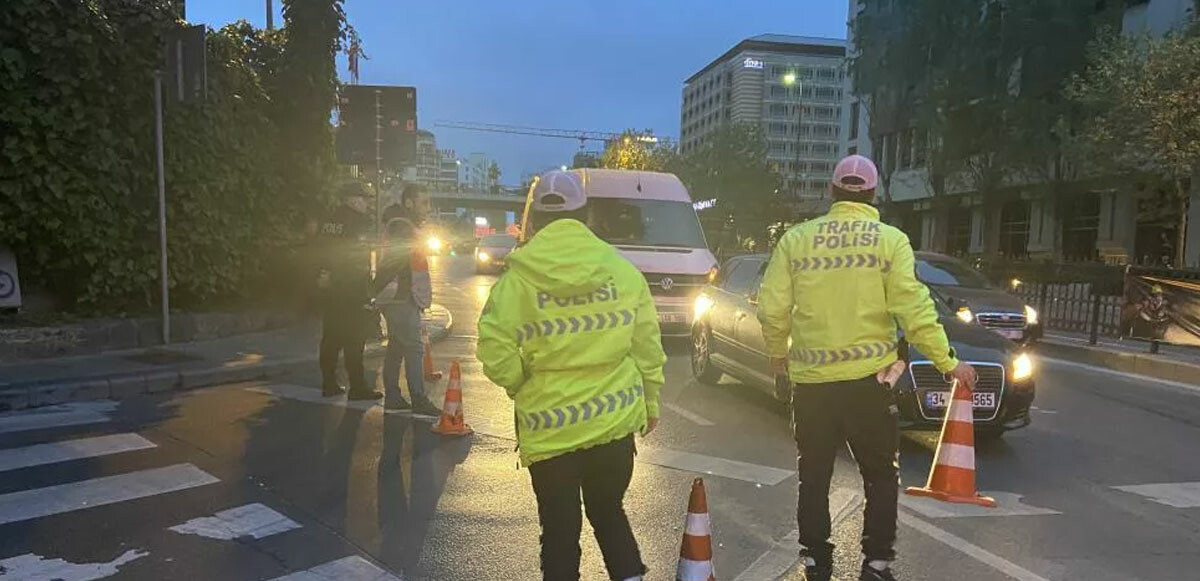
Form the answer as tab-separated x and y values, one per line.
367	111
10	283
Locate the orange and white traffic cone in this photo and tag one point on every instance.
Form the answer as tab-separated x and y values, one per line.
696	556
952	478
431	374
451	421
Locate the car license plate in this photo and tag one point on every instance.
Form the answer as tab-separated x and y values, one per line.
1014	334
672	318
941	399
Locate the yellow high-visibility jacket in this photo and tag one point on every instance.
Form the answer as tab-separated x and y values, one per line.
571	333
838	286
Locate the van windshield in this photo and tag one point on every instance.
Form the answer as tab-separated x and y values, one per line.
645	222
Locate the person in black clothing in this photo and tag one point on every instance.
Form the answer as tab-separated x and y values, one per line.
345	283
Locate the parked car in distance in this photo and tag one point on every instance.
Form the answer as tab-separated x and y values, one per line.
974	298
492	253
727	339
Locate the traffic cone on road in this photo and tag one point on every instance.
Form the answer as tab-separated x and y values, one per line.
431	374
952	478
695	558
451	422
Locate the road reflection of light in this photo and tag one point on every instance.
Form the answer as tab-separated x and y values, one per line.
482	291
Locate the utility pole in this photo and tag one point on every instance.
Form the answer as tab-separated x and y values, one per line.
270	16
162	207
378	166
799	138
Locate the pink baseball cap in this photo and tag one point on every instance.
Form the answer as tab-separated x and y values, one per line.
855	173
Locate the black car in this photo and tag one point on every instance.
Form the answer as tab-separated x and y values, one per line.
974	298
727	339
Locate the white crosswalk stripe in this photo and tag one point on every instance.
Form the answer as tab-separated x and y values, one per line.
250	521
52	500
345	569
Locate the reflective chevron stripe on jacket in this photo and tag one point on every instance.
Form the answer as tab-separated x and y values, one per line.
575	324
854	353
570	415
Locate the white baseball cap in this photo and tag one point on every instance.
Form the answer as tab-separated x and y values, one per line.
558	191
855	173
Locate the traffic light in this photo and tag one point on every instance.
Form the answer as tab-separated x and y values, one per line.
397	125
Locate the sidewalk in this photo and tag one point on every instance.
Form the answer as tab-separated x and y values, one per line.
1171	363
118	374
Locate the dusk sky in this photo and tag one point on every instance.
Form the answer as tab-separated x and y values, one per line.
566	64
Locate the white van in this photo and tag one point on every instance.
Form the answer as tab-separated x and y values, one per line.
650	218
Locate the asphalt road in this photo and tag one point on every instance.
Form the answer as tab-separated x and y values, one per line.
261	481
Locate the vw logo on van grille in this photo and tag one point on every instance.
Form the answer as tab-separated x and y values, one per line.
667	283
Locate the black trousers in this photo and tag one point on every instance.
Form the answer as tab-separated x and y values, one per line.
825	417
602	474
343	331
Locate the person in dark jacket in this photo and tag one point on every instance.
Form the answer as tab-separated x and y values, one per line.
345	283
403	263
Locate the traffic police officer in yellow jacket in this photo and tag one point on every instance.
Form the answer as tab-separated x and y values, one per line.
570	332
836	287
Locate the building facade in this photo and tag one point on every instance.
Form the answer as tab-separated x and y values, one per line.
1085	221
792	87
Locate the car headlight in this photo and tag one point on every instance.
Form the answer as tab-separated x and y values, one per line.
434	243
703	304
1031	315
483	257
965	315
1022	367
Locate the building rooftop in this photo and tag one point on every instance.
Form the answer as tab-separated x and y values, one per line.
781	43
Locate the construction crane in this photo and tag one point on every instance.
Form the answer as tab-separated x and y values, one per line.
579	134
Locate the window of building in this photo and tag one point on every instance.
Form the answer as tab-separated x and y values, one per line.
778	147
852	150
920	148
958	242
854	111
1014	229
778	92
904	150
1081	224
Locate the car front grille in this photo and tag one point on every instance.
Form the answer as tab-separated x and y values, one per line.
927	378
1001	320
675	285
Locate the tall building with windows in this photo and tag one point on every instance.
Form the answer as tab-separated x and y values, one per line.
791	86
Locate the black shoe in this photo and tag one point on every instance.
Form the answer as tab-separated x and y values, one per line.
363	394
398	405
333	390
869	573
817	569
818	572
424	407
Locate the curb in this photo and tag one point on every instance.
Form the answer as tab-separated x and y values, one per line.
1145	364
33	395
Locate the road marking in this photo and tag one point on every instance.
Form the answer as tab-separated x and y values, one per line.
40	454
346	569
690	416
1040	410
51	500
714	466
972	550
312	395
1007	504
55	416
35	567
251	520
1174	494
784	554
1191	388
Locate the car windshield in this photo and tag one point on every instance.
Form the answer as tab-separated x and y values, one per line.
499	241
948	273
645	222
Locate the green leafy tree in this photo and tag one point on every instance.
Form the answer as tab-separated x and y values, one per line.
1143	114
633	150
730	165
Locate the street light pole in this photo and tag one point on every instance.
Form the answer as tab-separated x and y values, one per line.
789	80
270	16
